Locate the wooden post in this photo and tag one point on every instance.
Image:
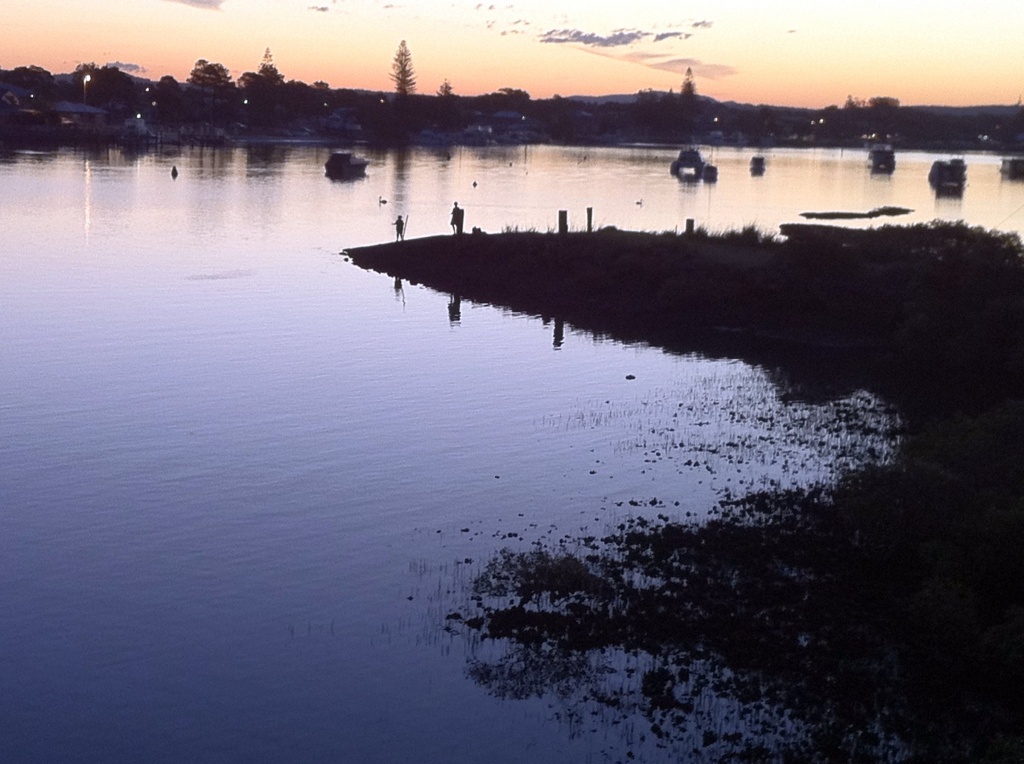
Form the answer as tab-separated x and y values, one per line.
689	226
590	219
563	221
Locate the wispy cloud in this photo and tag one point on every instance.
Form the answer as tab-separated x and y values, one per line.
213	5
662	36
679	65
642	48
616	39
623	37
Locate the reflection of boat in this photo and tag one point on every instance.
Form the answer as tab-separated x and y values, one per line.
688	165
948	175
757	165
882	158
342	165
709	174
1013	168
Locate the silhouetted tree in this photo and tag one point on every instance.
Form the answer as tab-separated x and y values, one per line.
883	115
108	87
170	103
213	79
268	71
689	108
402	73
883	102
689	88
259	98
33	78
507	99
205	74
655	113
445	109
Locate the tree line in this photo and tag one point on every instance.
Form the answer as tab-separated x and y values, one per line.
264	99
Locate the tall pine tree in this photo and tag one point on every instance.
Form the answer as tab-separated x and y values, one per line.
402	73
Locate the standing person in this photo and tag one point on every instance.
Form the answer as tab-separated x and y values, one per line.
457	217
399	229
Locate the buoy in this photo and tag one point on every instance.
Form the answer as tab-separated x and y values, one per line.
174	171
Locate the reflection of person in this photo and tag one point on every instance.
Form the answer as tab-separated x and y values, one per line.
399	228
458	215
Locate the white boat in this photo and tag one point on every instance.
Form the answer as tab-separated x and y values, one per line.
342	165
689	165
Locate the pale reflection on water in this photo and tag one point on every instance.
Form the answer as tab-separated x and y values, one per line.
234	468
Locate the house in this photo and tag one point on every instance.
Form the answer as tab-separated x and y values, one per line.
80	115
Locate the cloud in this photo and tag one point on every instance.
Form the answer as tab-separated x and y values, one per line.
128	68
616	39
624	45
677	65
671	35
318	8
213	5
699	68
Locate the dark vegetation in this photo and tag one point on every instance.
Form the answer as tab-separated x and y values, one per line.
934	314
879	619
265	103
884	614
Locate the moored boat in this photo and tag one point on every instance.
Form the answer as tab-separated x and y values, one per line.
689	165
948	175
342	165
1012	168
757	165
882	158
709	174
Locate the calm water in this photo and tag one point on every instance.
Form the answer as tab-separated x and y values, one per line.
241	480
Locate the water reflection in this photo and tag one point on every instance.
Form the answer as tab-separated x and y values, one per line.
454	310
712	639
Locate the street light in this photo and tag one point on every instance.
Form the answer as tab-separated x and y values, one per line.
85	81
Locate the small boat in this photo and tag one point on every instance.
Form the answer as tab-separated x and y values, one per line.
689	165
1012	168
948	175
757	165
709	174
342	166
882	159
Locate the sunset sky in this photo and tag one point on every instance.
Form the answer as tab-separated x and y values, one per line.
786	52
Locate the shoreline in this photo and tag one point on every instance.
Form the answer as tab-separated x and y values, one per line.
873	304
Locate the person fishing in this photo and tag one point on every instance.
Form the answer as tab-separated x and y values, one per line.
399	225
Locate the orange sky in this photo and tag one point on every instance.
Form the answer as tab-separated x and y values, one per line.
798	52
